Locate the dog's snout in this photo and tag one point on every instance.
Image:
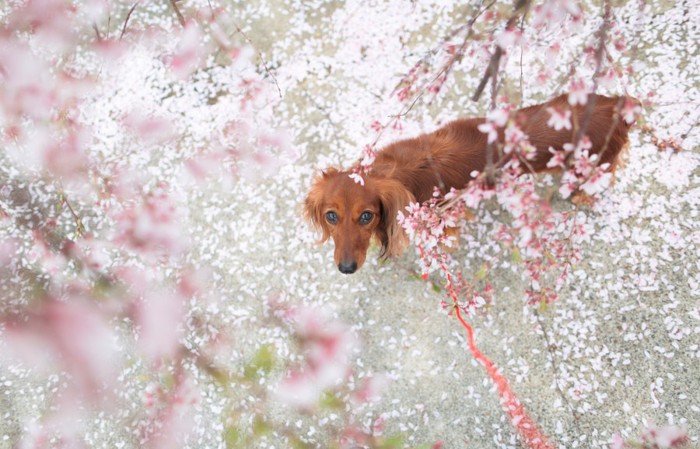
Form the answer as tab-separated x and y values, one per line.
347	268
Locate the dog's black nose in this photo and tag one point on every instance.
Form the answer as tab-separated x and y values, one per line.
347	268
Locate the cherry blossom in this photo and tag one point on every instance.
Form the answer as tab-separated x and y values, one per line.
559	119
328	347
508	38
494	120
665	437
156	154
578	92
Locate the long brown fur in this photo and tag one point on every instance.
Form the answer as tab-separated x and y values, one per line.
408	170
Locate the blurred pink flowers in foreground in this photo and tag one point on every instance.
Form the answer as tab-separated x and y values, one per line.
327	346
100	124
654	437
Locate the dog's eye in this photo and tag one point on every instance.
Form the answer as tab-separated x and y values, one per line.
331	217
366	217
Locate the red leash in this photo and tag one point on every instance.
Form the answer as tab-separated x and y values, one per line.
534	438
525	425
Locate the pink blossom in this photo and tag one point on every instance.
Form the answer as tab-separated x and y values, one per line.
568	186
299	390
555	11
189	53
559	119
159	317
150	129
42	255
618	442
378	426
279	140
495	119
515	139
51	21
93	253
65	157
73	335
376	126
664	437
242	56
152	225
171	413
620	43
425	223
357	178
508	38
206	163
370	390
8	250
327	346
27	86
498	117
491	130
369	153
558	158
607	78
552	53
598	181
630	110
95	10
578	92
260	163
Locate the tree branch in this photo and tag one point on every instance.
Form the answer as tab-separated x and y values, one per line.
128	16
520	8
97	32
600	51
180	17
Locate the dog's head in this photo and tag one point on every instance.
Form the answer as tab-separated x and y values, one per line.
352	214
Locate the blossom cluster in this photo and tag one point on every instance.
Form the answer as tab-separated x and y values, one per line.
104	133
328	348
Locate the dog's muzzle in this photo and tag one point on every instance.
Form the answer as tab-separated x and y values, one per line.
347	268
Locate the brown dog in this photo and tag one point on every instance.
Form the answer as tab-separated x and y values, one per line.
408	170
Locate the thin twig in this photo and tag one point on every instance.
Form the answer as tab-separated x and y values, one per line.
128	16
489	169
262	60
97	32
554	362
600	52
80	228
407	109
180	17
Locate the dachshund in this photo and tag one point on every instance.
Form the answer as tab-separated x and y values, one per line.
353	213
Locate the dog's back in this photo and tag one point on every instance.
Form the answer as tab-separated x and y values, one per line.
606	129
447	157
443	158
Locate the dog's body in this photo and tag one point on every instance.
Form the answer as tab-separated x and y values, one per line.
408	170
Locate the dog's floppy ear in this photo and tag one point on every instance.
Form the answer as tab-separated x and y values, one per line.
394	197
313	205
